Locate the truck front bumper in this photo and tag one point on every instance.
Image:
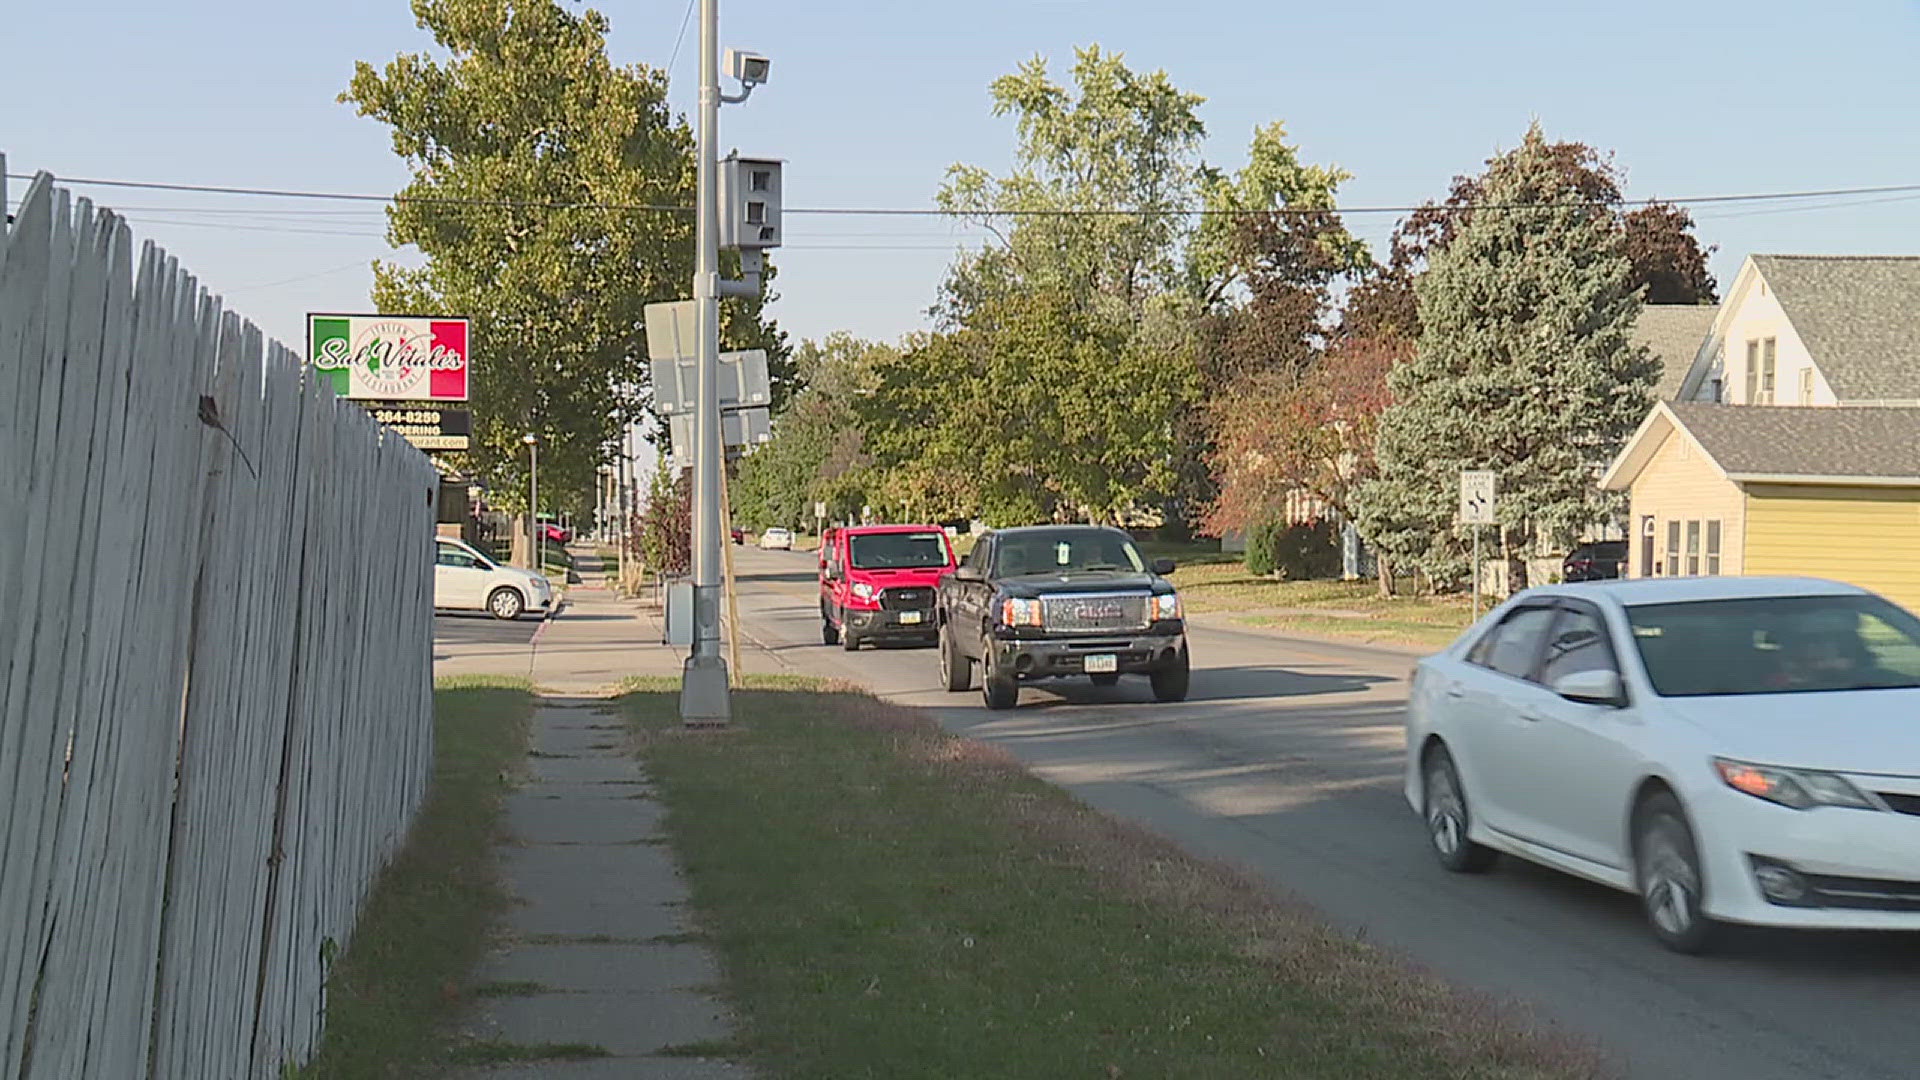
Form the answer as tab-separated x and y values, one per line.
888	625
1061	657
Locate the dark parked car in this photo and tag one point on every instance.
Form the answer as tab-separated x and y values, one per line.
1059	601
1596	561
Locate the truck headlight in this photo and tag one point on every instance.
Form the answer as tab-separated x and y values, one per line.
864	591
1168	606
1018	612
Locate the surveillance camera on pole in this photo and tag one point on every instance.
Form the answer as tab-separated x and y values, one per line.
750	196
749	69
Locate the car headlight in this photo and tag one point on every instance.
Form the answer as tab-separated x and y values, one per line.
1801	789
1018	612
864	591
1167	606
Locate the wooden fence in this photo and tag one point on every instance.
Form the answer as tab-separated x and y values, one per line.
215	665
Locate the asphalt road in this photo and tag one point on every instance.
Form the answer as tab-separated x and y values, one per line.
1286	761
475	633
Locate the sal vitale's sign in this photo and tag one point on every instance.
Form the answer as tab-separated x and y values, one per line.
390	357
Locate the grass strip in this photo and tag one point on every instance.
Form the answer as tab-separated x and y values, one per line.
397	987
891	901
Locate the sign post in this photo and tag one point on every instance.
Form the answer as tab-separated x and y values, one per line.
1476	509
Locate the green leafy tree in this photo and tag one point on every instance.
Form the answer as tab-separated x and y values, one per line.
1071	358
818	450
533	156
1524	366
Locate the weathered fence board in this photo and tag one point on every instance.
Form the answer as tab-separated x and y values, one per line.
215	699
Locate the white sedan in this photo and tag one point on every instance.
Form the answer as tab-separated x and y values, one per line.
1732	750
465	580
779	538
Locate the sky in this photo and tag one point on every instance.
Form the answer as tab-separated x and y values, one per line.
869	103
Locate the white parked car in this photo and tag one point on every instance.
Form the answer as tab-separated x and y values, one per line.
781	539
465	580
1733	750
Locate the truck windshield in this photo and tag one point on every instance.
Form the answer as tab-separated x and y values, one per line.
1066	551
898	551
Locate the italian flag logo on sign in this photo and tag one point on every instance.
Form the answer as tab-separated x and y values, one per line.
390	357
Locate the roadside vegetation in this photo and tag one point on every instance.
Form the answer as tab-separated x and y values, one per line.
888	900
401	981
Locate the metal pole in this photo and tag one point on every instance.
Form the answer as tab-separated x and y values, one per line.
1476	572
733	594
539	534
704	699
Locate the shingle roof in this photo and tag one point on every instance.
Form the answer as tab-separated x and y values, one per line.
1674	333
1858	315
1788	440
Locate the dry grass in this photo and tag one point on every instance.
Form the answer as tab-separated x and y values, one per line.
889	900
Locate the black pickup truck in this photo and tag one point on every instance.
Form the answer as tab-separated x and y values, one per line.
1059	601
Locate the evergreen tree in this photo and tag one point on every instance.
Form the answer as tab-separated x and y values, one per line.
1525	366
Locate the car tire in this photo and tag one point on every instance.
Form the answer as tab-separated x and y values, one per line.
1171	681
956	669
999	690
1666	866
829	633
1104	679
506	603
1443	806
848	639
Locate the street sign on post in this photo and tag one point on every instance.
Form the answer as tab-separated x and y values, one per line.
1476	496
1476	509
743	382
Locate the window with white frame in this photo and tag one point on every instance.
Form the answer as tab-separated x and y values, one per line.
1806	386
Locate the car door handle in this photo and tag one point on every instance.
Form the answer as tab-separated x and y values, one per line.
1456	693
1532	717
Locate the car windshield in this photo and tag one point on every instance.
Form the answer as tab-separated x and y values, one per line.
1065	551
1776	645
897	551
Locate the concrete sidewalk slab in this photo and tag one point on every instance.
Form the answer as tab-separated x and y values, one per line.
600	931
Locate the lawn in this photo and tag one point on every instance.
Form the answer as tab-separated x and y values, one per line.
890	901
1351	609
402	979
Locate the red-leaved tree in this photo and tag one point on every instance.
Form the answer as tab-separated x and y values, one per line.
1278	434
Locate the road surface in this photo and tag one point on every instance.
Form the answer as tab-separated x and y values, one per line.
1286	761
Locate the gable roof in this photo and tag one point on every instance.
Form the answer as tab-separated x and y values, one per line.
1674	333
1857	316
1868	445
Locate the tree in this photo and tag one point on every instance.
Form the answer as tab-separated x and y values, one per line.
532	155
1665	255
1666	258
664	524
1095	242
1524	366
818	449
1281	433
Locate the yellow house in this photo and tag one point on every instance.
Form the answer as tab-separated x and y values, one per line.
1759	489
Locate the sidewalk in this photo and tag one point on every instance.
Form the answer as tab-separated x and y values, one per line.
600	954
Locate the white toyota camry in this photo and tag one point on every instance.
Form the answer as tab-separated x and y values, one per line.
1733	750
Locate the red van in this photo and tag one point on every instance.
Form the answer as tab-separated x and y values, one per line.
877	583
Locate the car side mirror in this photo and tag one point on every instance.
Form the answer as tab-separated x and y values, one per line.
968	573
1601	687
1163	567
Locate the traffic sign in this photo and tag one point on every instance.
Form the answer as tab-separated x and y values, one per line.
743	383
1476	496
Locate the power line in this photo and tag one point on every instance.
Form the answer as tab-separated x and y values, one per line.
680	37
850	211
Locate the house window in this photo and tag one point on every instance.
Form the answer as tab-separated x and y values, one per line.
1766	371
1718	394
1693	549
1713	547
1673	549
1753	373
1646	545
1806	386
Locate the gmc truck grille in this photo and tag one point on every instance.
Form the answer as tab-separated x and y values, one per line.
906	599
1095	613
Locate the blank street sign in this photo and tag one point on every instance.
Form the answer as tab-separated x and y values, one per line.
743	382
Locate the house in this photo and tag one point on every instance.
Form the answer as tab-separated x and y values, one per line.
1757	489
1814	330
1680	337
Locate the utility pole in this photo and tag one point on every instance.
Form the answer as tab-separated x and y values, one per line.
704	697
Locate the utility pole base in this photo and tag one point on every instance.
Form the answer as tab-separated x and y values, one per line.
704	699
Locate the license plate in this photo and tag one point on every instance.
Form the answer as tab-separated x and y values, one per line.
1103	665
909	618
